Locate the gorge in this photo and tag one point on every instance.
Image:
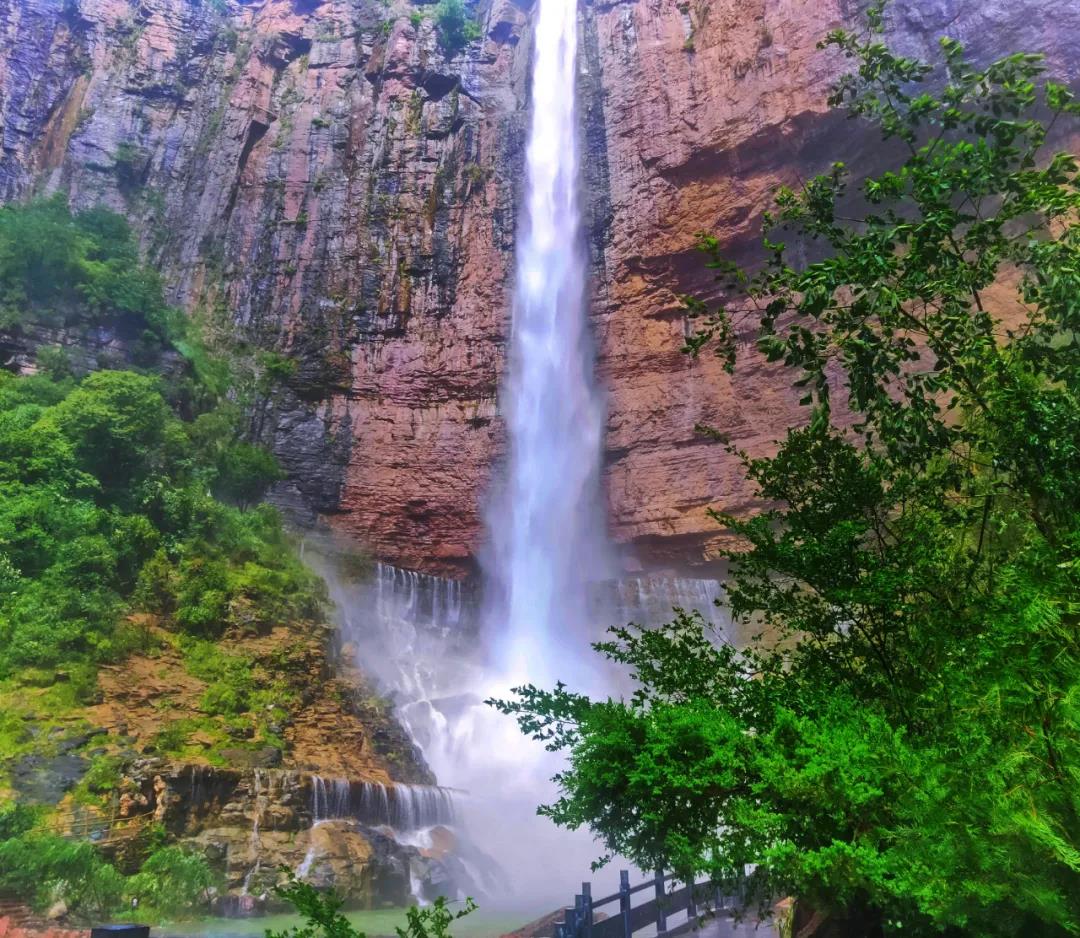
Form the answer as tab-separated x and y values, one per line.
462	258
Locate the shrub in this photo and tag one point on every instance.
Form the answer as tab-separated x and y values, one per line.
173	882
41	868
455	27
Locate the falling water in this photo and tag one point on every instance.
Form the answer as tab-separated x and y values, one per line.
549	584
402	807
409	811
329	798
548	529
546	524
259	801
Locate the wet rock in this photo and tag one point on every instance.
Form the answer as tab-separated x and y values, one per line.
46	779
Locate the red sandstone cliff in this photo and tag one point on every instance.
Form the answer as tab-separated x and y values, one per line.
324	174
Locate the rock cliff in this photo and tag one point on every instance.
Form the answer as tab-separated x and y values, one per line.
324	179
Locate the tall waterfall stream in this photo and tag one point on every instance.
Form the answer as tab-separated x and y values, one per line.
550	586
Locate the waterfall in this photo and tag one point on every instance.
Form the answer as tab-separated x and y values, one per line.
549	584
405	808
259	801
417	598
649	600
329	799
548	527
409	810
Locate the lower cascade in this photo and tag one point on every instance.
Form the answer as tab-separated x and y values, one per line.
404	808
421	637
414	825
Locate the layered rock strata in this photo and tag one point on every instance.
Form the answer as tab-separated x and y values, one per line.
322	178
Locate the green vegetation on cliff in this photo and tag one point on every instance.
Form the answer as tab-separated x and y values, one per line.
113	502
455	26
126	525
900	748
58	269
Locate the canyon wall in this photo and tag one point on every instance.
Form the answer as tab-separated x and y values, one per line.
322	179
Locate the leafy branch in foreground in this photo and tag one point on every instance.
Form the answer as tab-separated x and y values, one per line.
900	747
324	919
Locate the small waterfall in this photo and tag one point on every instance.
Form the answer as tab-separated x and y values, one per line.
404	808
259	800
409	811
650	600
422	600
329	798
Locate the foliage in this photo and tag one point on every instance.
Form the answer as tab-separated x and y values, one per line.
900	746
455	26
124	493
62	269
118	489
324	919
172	882
16	819
43	868
106	503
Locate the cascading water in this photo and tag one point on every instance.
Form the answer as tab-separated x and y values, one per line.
548	529
403	807
549	582
420	818
258	798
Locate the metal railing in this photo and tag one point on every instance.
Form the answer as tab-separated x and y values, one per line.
695	899
99	829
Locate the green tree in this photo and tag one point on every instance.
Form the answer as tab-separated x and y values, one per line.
118	425
900	746
455	26
172	882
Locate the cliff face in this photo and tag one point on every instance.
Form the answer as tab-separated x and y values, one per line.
325	180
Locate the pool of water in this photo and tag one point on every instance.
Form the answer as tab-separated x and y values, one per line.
375	924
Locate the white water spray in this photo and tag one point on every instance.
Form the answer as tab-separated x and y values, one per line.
547	523
548	532
548	552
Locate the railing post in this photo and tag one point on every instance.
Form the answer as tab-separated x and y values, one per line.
572	922
661	915
624	902
586	910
